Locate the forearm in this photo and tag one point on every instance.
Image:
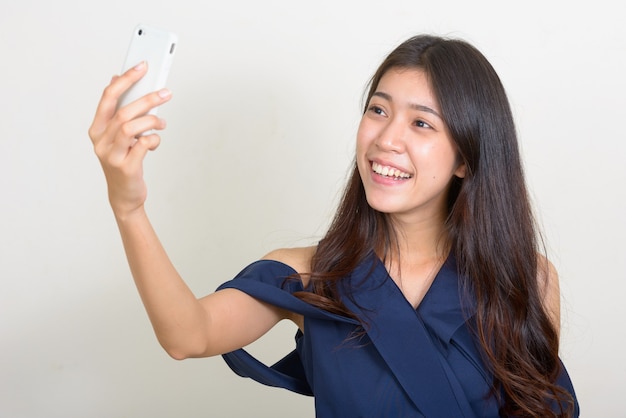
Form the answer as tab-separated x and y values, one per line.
118	136
179	320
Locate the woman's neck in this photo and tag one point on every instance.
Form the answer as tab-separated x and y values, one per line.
418	242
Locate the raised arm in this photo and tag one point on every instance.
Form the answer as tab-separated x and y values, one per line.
184	325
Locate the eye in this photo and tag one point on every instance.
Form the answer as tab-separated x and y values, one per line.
376	110
421	124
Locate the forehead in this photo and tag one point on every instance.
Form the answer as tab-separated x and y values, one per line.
407	86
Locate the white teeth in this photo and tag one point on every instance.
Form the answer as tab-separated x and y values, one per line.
389	171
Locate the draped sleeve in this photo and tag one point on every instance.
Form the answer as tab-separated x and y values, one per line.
397	362
275	282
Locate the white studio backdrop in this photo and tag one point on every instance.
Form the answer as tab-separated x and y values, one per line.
267	97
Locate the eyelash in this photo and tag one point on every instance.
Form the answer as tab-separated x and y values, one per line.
419	123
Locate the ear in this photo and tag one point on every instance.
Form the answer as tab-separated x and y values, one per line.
461	170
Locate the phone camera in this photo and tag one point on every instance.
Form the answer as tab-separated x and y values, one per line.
140	32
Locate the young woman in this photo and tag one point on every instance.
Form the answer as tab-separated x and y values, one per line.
428	296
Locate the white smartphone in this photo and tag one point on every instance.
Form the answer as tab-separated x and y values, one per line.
156	47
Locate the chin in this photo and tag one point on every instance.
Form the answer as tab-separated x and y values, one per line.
382	205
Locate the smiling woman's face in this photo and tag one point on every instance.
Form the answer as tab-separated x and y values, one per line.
405	155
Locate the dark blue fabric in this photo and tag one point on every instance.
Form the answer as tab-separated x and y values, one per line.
409	363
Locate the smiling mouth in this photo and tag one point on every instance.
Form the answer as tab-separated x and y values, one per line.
390	172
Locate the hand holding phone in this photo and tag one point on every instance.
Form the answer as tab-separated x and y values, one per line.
156	47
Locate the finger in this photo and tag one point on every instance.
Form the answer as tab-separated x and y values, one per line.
151	142
128	135
135	128
143	105
144	144
108	102
132	120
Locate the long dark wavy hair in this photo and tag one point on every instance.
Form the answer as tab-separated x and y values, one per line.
490	227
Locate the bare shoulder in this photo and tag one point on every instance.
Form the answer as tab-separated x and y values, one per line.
548	279
546	272
297	258
300	260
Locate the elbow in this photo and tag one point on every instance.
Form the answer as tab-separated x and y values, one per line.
175	351
176	354
179	351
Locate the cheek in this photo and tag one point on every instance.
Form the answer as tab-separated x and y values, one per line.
362	163
360	137
365	134
442	161
362	145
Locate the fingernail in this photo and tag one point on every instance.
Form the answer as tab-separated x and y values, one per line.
164	93
140	65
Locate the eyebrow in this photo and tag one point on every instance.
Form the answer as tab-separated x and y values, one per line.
411	105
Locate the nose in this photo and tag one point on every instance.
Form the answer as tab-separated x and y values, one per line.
391	138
